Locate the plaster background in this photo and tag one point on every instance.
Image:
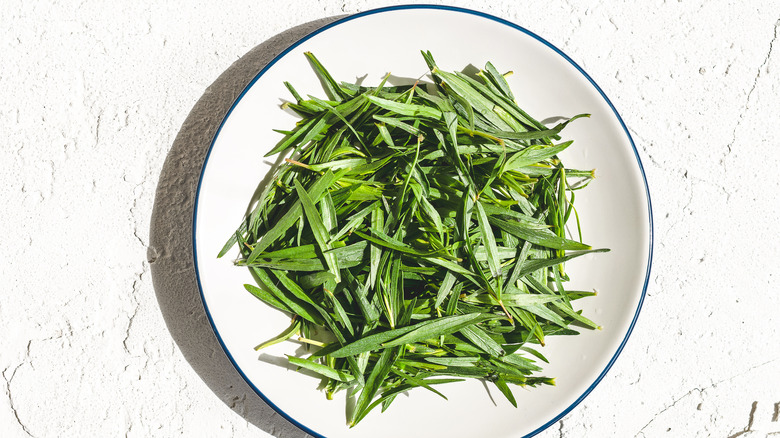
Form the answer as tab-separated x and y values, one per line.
104	112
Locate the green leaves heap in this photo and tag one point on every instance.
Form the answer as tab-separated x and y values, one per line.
424	228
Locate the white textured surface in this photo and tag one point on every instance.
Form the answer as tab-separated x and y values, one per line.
94	96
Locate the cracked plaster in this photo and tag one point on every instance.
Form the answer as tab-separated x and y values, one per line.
95	95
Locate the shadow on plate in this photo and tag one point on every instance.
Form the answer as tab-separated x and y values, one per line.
170	252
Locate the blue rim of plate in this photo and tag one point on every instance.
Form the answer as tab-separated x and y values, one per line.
445	8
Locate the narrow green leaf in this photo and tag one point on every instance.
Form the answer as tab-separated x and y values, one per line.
340	314
452	267
323	370
444	288
292	216
540	237
398	390
438	327
498	80
489	240
370	342
386	241
266	297
299	308
502	386
405	109
354	221
468	361
293	91
536	264
477	336
288	333
331	86
377	223
292	139
396	123
373	383
321	234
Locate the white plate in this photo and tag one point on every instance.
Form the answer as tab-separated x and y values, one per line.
615	212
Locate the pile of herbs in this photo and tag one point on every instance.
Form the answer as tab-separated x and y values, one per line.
424	228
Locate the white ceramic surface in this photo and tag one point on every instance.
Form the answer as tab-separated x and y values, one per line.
614	211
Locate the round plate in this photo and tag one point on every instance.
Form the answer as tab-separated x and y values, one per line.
614	210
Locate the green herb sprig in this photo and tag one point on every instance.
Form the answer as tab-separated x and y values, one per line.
424	227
